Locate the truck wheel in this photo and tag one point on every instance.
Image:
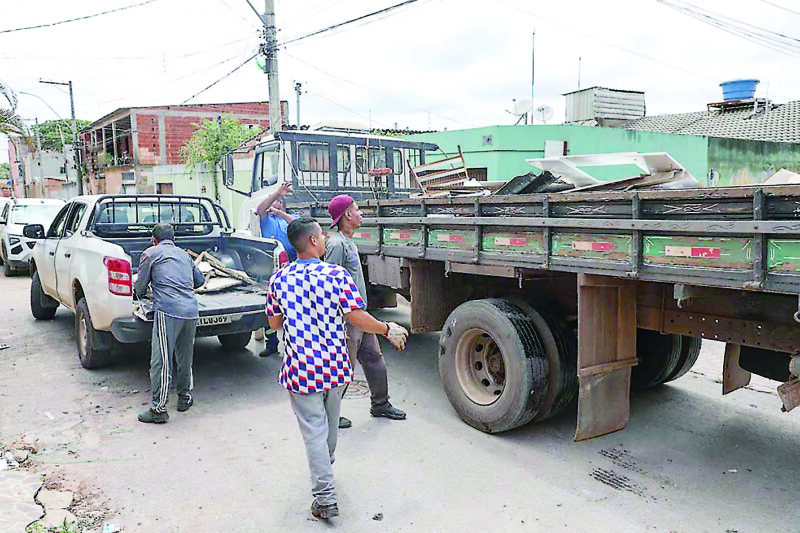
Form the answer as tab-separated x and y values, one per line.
493	366
43	307
93	348
561	347
658	356
235	341
8	271
690	350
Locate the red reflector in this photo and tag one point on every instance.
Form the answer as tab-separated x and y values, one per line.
283	258
119	276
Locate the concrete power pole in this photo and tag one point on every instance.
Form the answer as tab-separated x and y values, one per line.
271	63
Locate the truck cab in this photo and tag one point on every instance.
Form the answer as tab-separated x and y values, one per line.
320	165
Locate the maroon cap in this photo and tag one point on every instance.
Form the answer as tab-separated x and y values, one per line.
337	206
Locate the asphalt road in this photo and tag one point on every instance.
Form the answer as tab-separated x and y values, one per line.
689	461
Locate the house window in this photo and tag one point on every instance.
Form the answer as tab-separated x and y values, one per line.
478	174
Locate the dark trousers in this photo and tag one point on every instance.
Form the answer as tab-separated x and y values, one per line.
365	348
172	337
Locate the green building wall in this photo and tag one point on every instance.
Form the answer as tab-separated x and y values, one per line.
502	150
740	162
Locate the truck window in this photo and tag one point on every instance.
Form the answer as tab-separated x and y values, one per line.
57	227
74	219
377	159
314	159
268	172
129	218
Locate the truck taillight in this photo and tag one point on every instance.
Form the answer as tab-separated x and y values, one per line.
119	276
283	258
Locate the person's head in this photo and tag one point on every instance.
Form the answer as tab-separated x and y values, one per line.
280	203
306	237
344	212
163	232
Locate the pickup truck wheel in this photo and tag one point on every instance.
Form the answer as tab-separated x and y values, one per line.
561	347
43	307
493	366
235	341
8	271
93	352
690	351
658	356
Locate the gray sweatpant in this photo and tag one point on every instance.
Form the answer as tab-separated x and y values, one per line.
318	417
171	337
365	348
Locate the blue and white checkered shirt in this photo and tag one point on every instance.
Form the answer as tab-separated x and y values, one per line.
313	298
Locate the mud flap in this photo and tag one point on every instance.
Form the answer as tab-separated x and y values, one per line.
734	377
606	353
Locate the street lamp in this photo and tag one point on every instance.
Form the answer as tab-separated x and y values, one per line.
74	130
61	134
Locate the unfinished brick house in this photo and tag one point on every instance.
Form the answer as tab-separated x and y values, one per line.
122	149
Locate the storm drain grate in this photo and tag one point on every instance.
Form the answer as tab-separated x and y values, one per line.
358	388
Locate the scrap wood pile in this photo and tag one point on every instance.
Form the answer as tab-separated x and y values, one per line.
218	275
658	170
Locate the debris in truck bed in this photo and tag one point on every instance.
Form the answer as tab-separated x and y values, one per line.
216	269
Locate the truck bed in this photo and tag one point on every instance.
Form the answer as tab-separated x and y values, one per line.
738	237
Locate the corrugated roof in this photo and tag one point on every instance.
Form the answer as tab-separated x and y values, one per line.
780	124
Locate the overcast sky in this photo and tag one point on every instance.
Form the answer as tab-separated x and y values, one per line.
432	64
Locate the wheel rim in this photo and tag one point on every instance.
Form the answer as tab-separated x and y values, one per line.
83	336
480	367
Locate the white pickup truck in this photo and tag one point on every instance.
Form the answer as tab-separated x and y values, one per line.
87	261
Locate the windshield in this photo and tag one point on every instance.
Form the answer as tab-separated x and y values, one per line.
34	214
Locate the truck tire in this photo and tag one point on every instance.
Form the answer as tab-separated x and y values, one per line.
235	341
8	271
561	347
43	307
94	347
690	351
493	366
658	356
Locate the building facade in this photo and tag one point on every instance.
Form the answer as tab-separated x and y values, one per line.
137	149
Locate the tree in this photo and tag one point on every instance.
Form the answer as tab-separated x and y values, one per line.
5	172
10	122
52	132
212	140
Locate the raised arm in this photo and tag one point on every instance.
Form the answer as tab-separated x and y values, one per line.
283	214
283	189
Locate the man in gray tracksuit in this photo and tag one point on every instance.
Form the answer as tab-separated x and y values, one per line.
173	276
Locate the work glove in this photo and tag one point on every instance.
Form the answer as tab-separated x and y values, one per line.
397	335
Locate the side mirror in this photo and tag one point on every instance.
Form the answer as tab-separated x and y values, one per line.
33	231
227	171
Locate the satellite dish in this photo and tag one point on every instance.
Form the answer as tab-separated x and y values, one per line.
522	107
543	113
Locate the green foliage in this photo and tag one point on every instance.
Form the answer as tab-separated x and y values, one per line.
66	527
210	142
213	140
5	171
50	135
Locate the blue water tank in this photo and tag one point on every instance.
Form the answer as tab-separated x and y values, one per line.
738	89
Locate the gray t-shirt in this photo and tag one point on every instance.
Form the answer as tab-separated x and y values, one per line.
339	250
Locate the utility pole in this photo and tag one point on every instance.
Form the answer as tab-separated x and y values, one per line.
533	69
297	88
579	72
38	150
271	66
75	158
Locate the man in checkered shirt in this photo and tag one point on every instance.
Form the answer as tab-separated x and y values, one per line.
310	301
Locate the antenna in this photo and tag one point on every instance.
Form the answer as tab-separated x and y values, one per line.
543	113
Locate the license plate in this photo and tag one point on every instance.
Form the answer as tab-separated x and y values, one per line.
214	320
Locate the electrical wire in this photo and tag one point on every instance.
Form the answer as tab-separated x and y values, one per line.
781	7
38	26
775	41
385	96
346	22
243	63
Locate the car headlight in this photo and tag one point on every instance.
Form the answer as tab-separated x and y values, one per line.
13	239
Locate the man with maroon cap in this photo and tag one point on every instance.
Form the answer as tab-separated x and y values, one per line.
341	250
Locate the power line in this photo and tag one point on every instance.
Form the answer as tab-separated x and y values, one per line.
386	96
243	63
781	7
346	22
78	18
